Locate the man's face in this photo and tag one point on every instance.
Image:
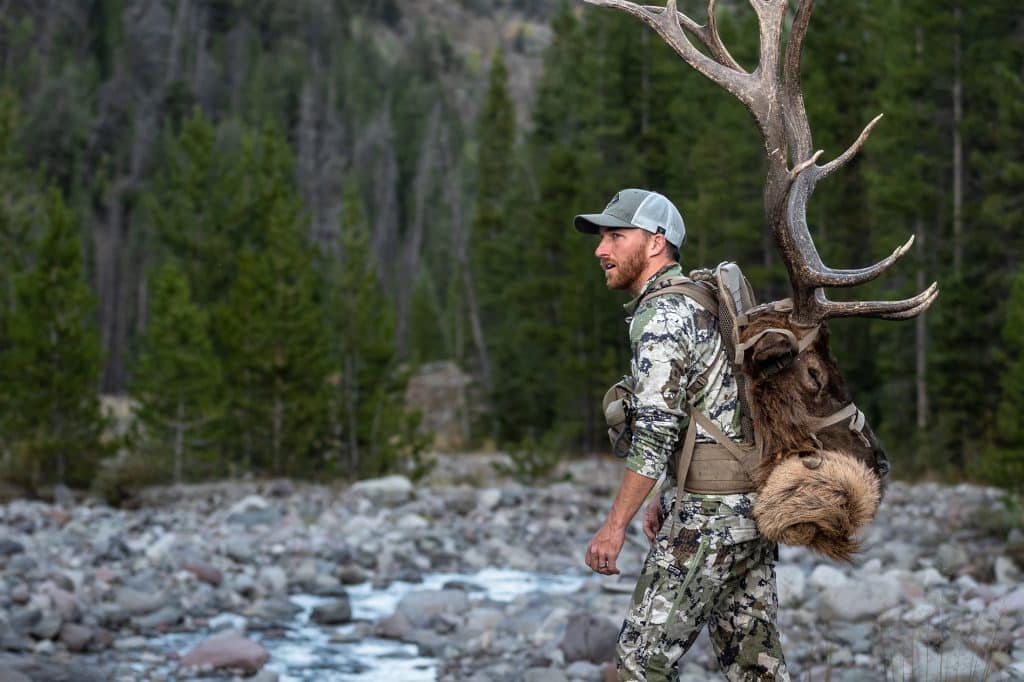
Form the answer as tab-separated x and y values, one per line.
623	256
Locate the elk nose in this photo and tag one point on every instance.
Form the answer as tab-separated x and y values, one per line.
881	461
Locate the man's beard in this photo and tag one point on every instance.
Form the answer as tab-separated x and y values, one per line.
624	274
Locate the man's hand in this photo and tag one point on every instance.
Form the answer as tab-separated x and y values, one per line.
607	543
653	518
604	549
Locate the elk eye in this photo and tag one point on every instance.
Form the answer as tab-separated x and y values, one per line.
815	377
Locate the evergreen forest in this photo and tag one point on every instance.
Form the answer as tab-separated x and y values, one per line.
258	220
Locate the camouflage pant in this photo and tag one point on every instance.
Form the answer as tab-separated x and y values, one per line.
715	570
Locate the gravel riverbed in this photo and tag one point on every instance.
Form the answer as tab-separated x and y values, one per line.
465	575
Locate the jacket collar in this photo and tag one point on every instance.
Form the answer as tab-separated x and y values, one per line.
670	270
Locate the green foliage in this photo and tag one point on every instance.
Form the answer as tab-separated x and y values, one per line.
274	359
195	204
195	168
269	327
177	379
119	479
370	432
1002	462
51	369
532	459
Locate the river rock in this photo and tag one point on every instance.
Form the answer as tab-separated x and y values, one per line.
589	638
919	613
859	599
419	606
791	585
273	579
388	491
137	603
228	651
1006	571
163	618
950	558
825	577
333	612
66	604
23	620
9	547
19	594
1010	603
12	675
239	548
48	624
254	510
206	572
161	547
75	637
21	564
958	664
544	675
488	499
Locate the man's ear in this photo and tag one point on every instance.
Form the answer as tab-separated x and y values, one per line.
656	245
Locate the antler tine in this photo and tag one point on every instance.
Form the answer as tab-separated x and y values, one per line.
799	128
829	277
713	41
844	158
888	310
720	68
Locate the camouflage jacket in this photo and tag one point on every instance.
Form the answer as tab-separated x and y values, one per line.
674	340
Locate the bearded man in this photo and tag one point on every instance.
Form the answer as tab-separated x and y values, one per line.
707	563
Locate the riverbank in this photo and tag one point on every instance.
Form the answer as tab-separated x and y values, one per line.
90	592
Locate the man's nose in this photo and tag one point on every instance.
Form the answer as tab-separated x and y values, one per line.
602	248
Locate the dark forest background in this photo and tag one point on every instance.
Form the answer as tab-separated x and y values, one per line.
260	219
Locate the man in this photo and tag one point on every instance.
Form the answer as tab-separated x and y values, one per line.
707	563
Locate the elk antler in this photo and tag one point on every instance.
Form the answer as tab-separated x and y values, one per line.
773	96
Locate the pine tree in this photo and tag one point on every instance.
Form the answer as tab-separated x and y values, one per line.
177	377
198	205
366	412
269	327
1002	463
51	369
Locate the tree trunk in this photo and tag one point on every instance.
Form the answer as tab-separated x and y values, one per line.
352	394
461	241
921	336
426	171
278	426
179	441
181	15
958	148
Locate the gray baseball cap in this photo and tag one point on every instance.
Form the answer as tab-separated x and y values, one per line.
637	208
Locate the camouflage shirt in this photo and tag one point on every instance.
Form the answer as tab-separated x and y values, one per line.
674	340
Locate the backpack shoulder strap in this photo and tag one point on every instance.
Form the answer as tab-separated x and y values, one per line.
701	292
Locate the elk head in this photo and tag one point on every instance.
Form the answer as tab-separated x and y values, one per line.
800	403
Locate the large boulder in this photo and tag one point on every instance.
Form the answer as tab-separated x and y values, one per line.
227	651
388	491
791	585
589	638
957	664
860	599
438	393
422	605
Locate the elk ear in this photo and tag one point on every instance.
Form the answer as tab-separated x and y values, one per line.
770	354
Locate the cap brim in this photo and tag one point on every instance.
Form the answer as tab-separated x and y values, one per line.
591	223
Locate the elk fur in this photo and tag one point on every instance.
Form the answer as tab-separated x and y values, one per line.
822	508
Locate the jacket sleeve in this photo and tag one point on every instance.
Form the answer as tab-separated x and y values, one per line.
660	336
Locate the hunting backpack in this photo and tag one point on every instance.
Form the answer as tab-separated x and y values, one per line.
725	466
